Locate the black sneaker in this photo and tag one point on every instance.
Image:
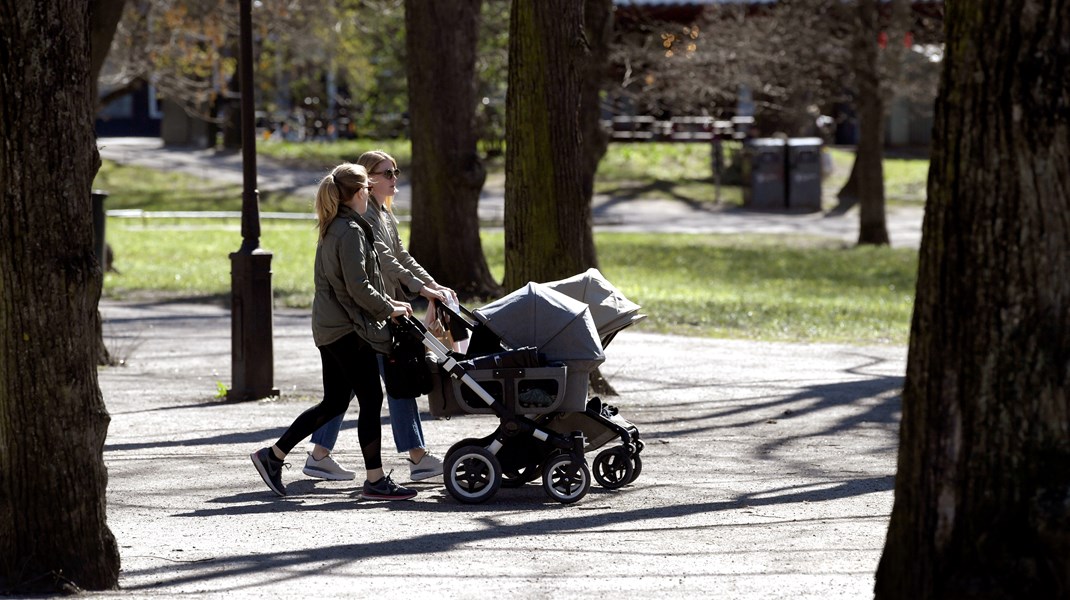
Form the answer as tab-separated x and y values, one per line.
270	469
386	489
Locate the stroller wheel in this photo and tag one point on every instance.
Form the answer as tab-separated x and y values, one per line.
566	480
472	474
613	468
637	467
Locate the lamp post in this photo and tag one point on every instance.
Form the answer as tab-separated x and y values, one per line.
252	357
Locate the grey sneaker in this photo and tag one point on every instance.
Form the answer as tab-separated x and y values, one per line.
428	467
326	468
270	469
386	489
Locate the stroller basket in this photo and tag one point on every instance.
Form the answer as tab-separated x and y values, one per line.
517	378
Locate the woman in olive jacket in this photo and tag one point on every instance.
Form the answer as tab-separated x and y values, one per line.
403	279
349	313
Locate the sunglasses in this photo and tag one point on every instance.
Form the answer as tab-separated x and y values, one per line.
390	174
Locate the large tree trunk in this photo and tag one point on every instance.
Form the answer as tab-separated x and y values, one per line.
598	29
982	496
53	530
547	215
447	173
104	19
869	157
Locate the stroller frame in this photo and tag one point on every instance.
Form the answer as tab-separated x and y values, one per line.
472	471
613	467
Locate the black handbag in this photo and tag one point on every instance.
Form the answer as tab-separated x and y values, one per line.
405	369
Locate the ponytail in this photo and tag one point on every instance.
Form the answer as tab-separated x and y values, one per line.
334	190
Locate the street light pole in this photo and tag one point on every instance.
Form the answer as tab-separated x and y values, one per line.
252	360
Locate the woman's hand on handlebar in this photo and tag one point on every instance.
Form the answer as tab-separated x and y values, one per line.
433	294
439	292
401	309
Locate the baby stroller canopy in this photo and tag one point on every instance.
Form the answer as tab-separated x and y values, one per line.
610	310
560	327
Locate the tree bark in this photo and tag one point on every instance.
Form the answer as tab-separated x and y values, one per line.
870	154
104	19
53	530
447	172
547	215
982	496
598	30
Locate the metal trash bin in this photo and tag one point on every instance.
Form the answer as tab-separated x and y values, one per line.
763	174
804	174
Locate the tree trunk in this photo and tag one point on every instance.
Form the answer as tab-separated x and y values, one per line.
104	19
547	215
868	159
598	30
982	496
53	530
447	173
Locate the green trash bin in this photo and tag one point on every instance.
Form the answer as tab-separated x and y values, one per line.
804	174
763	174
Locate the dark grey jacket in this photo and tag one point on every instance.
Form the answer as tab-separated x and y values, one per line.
349	286
402	275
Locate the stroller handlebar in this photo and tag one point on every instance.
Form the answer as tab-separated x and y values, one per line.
408	321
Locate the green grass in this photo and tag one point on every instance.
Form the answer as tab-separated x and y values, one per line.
628	171
132	187
904	178
752	287
636	171
328	154
765	287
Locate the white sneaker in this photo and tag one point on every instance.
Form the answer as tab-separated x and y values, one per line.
428	467
327	468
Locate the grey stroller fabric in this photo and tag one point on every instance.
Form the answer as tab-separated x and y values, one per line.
560	327
610	310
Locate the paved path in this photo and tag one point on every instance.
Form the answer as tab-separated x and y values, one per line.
768	468
768	473
670	216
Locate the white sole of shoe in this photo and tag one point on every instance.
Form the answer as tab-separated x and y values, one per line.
318	474
422	475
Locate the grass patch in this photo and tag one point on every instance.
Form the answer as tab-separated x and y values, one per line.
905	179
753	287
133	187
765	287
324	155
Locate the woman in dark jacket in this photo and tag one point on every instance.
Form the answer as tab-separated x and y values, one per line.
403	279
349	313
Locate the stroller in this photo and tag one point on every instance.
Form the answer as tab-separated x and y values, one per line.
528	362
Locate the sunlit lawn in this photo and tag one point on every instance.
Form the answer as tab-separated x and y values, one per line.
753	287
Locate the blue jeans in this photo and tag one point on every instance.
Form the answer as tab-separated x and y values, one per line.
404	422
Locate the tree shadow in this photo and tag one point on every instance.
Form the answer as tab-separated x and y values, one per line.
629	192
291	565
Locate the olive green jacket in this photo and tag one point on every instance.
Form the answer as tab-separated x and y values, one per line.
349	293
402	275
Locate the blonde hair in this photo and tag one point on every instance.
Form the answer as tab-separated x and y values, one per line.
344	180
369	160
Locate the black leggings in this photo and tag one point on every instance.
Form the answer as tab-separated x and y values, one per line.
349	367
